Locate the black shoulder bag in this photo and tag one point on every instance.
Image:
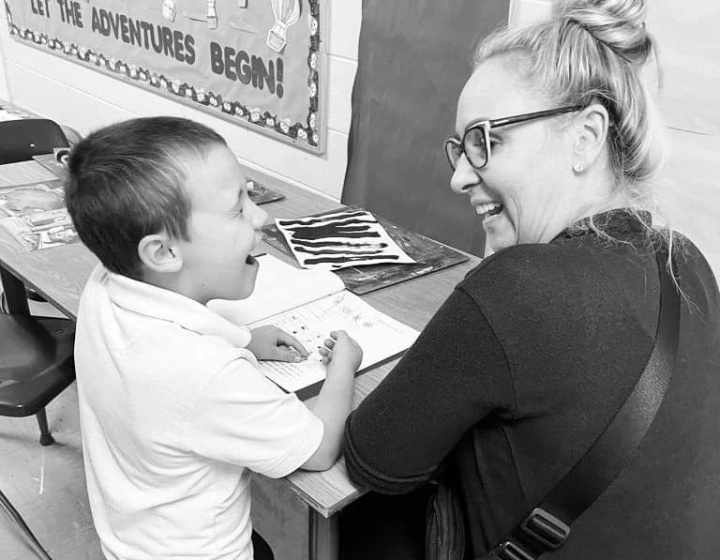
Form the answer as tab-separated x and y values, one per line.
547	527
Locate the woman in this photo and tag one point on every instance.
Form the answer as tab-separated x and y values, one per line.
536	349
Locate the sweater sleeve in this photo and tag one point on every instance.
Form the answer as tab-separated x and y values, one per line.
455	375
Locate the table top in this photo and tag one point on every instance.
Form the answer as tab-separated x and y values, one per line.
60	273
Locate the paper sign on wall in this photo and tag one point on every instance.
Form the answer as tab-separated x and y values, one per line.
255	62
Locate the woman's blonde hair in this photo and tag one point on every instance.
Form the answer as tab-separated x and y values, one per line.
596	51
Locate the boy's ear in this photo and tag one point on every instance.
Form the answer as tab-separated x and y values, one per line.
593	122
160	253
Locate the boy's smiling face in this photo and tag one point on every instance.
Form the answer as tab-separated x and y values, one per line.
224	228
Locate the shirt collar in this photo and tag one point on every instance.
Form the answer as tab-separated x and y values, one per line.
159	303
619	223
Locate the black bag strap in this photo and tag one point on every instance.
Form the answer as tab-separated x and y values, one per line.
548	525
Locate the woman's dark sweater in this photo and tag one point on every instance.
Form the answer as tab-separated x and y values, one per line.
523	367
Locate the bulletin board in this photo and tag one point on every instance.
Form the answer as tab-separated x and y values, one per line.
414	58
259	63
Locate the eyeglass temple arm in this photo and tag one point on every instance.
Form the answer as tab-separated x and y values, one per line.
529	116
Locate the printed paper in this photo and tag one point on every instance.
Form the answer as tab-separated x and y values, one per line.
36	215
379	335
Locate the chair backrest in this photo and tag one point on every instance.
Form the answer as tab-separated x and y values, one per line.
22	139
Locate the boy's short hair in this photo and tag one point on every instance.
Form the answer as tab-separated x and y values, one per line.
127	180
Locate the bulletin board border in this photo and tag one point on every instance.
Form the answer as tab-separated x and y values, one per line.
309	135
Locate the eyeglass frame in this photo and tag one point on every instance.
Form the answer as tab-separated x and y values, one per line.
488	125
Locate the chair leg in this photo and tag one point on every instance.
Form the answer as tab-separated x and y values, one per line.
15	300
45	435
20	522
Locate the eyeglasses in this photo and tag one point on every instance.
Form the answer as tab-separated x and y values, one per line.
475	143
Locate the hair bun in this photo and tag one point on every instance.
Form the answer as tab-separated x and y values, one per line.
619	24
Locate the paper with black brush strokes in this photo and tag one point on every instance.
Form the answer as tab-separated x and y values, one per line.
430	256
340	239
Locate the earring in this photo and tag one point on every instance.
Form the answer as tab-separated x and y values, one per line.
578	168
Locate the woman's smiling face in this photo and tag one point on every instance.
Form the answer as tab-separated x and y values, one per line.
523	194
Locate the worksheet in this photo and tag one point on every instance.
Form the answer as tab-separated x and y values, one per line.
310	304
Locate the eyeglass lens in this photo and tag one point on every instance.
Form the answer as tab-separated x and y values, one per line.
473	146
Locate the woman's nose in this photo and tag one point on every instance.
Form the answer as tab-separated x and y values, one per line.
464	177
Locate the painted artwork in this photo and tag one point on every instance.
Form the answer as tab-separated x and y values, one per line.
349	237
429	255
258	63
36	215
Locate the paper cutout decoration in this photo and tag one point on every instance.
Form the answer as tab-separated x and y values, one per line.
287	14
340	239
169	11
211	14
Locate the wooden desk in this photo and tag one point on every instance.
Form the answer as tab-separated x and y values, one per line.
60	273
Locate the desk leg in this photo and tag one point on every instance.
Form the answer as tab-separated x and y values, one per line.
324	534
15	298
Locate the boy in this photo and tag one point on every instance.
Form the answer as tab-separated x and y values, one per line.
173	411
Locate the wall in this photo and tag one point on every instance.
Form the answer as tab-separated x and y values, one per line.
689	50
527	12
4	94
84	100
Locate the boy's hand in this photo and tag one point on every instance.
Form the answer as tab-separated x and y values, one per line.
342	350
343	357
271	343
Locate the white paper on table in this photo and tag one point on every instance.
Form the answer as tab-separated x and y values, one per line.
278	287
309	305
348	237
379	335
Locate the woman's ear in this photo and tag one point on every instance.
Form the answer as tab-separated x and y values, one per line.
160	253
590	140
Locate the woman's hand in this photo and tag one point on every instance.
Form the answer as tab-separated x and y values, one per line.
271	343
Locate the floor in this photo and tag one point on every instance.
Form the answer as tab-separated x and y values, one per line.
47	486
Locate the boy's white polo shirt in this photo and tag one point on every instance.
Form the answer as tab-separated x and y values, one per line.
174	415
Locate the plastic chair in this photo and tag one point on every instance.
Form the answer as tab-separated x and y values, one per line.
22	139
36	365
36	353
